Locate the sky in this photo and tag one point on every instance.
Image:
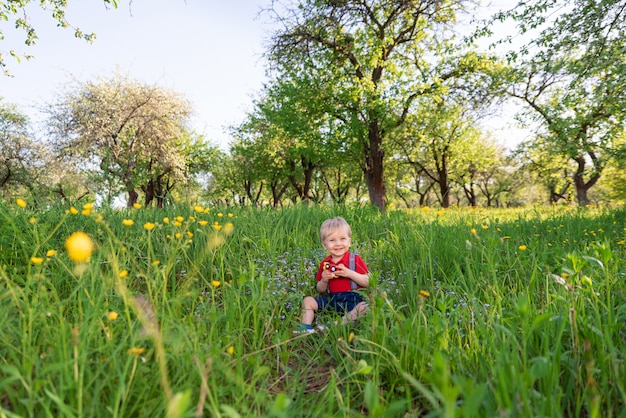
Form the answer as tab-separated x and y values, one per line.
210	51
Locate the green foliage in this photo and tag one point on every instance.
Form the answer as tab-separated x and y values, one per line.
472	313
571	77
367	65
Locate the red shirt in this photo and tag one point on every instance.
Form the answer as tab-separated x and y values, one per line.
342	284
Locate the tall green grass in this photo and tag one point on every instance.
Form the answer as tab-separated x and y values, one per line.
512	313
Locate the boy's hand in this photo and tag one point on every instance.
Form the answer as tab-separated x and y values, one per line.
327	275
342	271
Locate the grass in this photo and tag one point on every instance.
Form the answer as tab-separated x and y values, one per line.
512	313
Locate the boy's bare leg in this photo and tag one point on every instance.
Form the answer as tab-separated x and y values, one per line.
359	310
309	306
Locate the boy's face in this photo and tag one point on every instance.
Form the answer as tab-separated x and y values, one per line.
337	243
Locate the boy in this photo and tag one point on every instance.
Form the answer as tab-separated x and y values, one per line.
339	276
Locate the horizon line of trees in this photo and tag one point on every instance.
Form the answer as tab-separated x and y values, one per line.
377	102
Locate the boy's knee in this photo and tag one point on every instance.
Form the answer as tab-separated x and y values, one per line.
309	303
362	308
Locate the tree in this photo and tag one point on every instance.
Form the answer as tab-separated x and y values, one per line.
483	170
550	168
288	119
440	143
29	166
572	77
130	131
16	12
17	150
368	50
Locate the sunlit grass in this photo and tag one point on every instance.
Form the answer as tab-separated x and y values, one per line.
188	311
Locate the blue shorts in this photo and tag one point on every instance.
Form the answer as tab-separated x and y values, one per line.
342	302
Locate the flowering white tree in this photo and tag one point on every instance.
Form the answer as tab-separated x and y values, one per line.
131	135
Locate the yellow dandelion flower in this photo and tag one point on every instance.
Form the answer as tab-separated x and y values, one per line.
176	223
203	223
564	275
439	213
351	337
198	208
73	210
32	221
424	293
36	260
166	220
86	212
88	206
216	283
137	205
155	263
113	316
622	242
216	240
230	215
178	235
149	226
20	202
231	350
123	274
506	237
217	226
51	253
135	351
485	226
100	218
522	248
128	222
179	219
473	231
207	210
425	208
79	246
190	234
229	228
192	218
220	214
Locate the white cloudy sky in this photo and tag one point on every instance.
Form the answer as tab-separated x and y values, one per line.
208	50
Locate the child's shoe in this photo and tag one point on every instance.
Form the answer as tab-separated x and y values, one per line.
303	329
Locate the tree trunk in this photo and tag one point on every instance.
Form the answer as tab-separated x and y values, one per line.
444	187
374	174
579	181
149	191
132	197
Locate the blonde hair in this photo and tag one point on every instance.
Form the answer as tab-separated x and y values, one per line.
330	225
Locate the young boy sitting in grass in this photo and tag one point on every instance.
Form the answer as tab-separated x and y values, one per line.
339	277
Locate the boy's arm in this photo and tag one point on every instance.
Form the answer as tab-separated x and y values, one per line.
322	284
362	279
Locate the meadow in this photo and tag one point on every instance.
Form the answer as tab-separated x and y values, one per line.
188	311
